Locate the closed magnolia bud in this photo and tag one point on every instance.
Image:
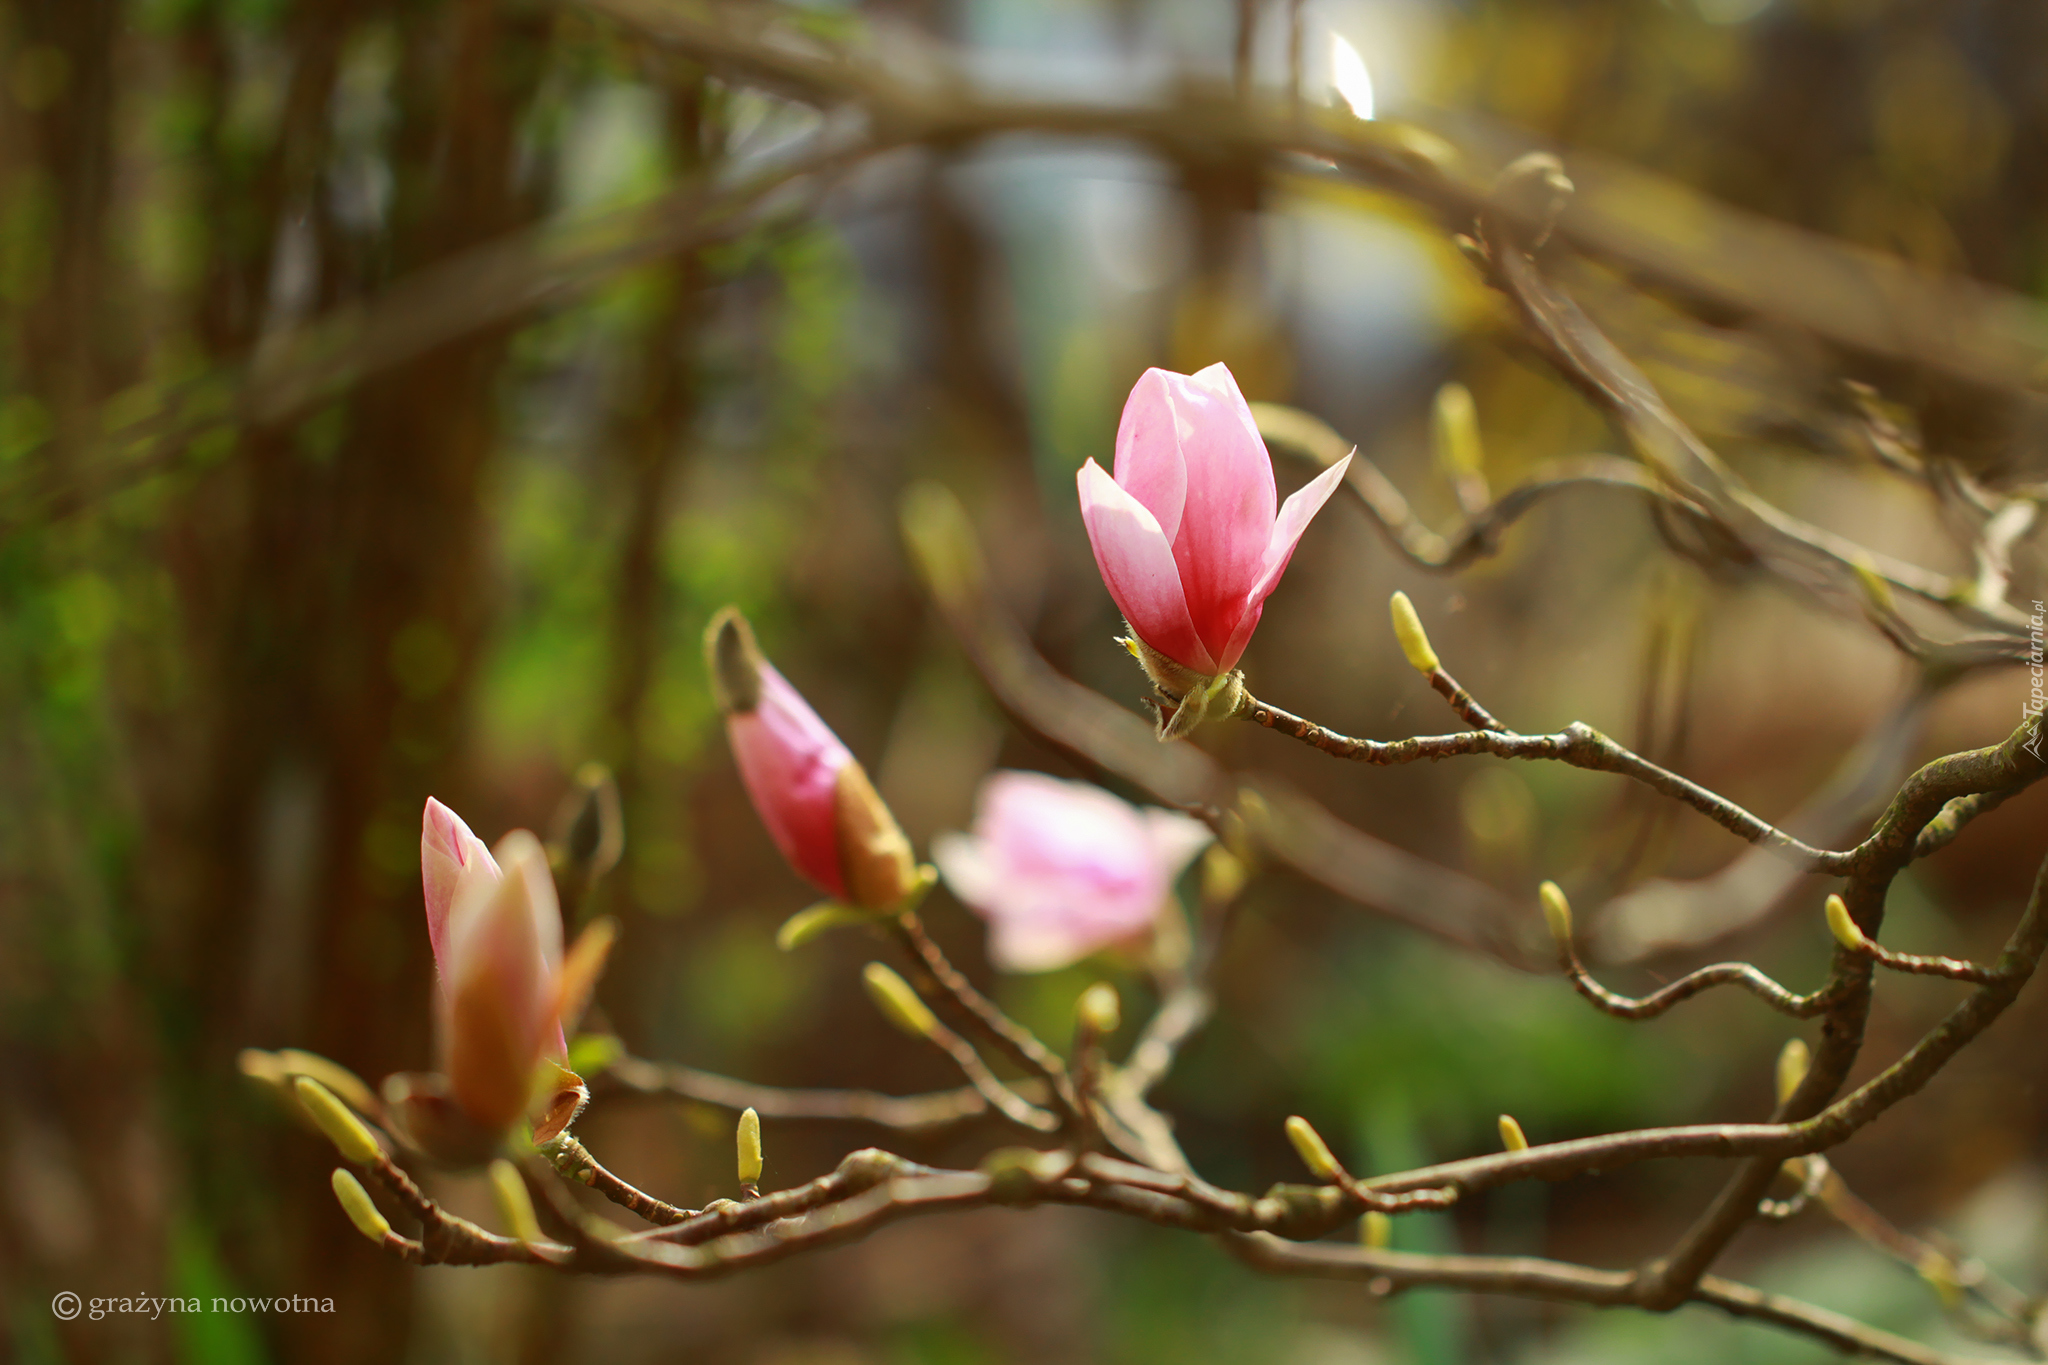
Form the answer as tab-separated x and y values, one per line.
1314	1152
1414	640
502	984
1511	1136
749	1141
817	803
355	1202
1186	530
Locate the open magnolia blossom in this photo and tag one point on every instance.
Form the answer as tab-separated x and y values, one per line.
816	801
505	986
1060	869
1185	533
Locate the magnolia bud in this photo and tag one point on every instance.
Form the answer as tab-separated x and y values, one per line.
1844	928
1414	640
1511	1136
749	1139
1314	1152
815	800
1557	913
1099	1010
347	1132
589	829
898	1002
356	1203
515	1205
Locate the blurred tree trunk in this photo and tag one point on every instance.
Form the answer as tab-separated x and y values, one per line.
335	594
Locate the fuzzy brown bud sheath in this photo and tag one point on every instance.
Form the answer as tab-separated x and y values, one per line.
816	801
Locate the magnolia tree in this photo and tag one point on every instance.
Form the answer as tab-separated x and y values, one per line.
1190	543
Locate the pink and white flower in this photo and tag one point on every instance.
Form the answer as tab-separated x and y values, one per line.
1060	869
1185	533
496	929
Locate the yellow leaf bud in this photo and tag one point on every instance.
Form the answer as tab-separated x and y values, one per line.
515	1205
1511	1136
894	997
347	1132
1099	1009
1793	1062
355	1202
1557	912
1314	1152
1844	928
1414	640
749	1140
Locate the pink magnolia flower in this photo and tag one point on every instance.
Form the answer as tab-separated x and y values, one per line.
1060	869
816	801
1185	534
496	929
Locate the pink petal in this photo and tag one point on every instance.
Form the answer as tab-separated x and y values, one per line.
1138	568
1176	839
972	873
1023	946
1060	869
1233	648
1228	520
790	762
504	949
447	848
1148	456
1294	519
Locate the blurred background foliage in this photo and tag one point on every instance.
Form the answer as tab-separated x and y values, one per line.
233	664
